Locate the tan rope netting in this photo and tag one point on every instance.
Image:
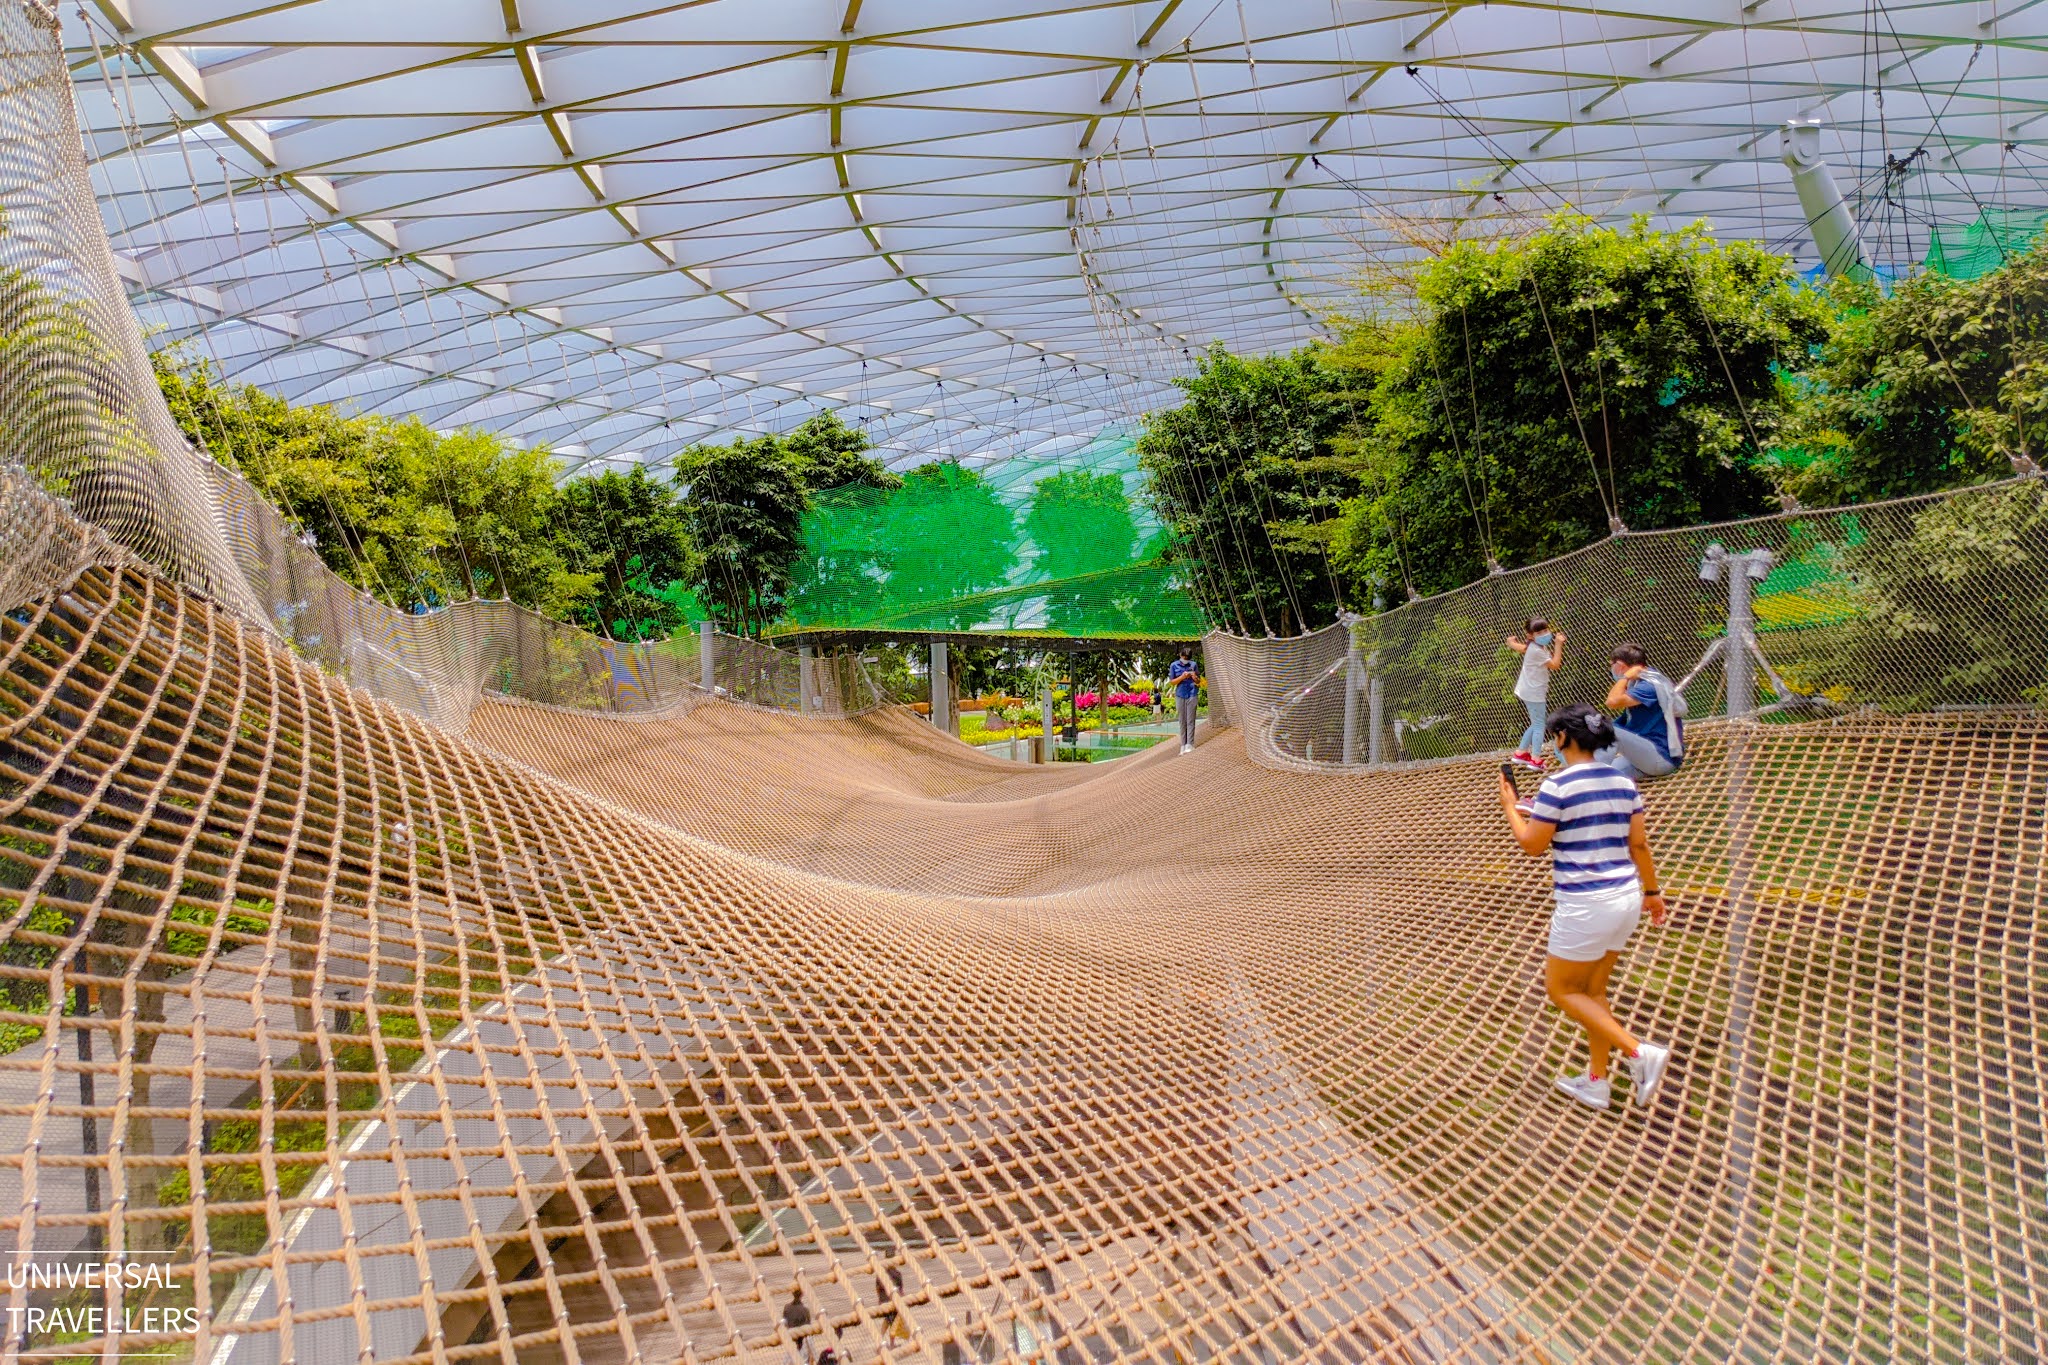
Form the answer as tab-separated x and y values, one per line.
589	1037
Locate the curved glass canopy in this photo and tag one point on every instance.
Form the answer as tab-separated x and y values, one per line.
982	229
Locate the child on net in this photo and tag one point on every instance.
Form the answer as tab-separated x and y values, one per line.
1541	649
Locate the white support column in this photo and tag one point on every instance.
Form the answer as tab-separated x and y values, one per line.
708	633
1827	217
1740	657
1046	740
805	699
942	709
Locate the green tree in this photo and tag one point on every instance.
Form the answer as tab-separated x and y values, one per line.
412	516
500	505
1552	380
841	577
1938	383
744	504
1244	476
630	532
827	453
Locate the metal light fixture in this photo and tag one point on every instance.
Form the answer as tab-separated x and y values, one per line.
1711	562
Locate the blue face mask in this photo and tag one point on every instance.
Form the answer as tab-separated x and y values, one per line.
1546	637
1619	669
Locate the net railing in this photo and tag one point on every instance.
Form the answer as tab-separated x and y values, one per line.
1902	606
81	412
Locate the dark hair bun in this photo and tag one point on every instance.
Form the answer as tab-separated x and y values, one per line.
1582	725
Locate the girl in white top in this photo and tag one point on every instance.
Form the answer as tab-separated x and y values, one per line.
1541	649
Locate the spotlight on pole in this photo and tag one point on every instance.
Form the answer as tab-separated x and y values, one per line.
1711	562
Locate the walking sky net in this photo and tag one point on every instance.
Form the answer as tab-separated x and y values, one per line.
607	1030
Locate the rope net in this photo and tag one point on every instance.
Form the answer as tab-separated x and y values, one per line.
1904	606
585	1037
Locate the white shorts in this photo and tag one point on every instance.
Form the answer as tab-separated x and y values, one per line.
1585	926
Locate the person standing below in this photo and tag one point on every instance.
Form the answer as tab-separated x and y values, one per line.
1185	679
895	1327
1650	737
1541	649
1589	818
796	1316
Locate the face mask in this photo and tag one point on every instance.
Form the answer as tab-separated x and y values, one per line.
1618	669
1546	637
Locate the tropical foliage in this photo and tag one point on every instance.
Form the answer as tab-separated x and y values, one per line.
630	531
416	517
1525	394
1937	383
1552	382
1242	475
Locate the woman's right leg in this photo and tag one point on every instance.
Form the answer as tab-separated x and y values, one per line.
1570	987
1596	988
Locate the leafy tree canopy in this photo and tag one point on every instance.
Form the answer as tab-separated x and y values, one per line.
827	453
1938	383
744	504
415	517
1550	380
630	531
1242	475
951	537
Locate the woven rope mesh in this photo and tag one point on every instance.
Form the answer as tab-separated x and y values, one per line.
1903	606
586	1037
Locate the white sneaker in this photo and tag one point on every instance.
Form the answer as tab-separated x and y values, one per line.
1647	1067
1187	748
1587	1091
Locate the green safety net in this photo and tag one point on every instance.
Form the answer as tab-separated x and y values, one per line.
1964	251
1056	547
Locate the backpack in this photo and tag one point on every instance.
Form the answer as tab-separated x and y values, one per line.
1673	704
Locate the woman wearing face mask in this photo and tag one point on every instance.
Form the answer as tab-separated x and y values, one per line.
1589	819
1540	648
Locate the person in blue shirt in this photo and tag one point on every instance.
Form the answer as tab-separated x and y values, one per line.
1589	818
1184	678
1649	738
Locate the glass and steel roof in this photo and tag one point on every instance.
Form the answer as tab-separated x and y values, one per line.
983	228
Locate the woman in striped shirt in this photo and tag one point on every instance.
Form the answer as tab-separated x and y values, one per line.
1589	818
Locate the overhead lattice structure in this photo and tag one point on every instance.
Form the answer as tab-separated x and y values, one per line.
615	227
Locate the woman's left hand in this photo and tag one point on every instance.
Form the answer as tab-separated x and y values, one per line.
1657	906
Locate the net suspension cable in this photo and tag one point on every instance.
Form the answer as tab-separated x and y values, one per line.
1607	498
1264	125
121	100
1198	498
1186	482
1258	494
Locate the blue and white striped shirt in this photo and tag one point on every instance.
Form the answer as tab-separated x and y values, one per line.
1590	803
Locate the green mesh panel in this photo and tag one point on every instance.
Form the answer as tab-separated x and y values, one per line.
1967	250
1063	547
